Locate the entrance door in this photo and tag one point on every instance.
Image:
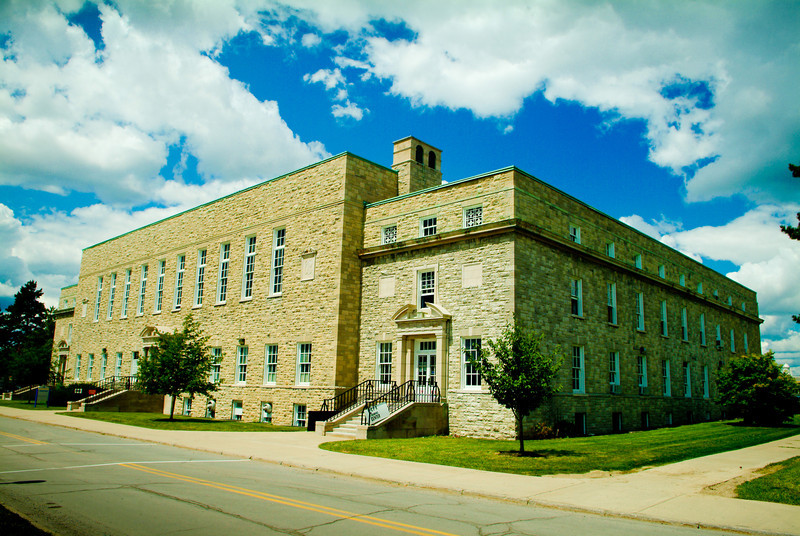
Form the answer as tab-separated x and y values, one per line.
425	358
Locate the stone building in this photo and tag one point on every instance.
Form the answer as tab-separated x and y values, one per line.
346	271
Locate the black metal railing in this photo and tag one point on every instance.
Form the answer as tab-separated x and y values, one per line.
117	383
364	391
407	393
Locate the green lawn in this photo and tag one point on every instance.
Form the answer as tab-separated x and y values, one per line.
619	452
22	404
158	421
781	484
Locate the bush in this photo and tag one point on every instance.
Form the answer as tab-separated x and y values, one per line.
754	388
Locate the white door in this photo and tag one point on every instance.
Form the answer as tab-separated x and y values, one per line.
135	363
425	359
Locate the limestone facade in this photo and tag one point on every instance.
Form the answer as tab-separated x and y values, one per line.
390	274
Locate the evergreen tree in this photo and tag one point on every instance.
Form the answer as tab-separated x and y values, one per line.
26	339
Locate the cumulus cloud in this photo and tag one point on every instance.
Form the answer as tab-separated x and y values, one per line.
334	81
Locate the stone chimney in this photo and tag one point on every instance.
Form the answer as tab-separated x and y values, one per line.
418	165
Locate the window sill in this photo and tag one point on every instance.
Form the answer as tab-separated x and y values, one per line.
178	310
278	295
156	312
196	307
219	303
580	317
245	300
472	391
640	330
574	392
613	324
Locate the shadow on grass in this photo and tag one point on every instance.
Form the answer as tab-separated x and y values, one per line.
742	424
536	454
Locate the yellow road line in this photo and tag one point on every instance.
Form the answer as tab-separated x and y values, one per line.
26	439
342	514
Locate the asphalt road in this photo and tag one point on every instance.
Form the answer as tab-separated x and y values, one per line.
79	483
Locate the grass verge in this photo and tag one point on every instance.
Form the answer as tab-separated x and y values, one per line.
781	484
158	421
22	404
620	452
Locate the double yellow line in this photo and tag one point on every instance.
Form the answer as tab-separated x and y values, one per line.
25	439
341	514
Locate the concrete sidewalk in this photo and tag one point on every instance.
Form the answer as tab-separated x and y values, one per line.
672	493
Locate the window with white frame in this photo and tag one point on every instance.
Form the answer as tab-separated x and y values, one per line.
126	294
664	329
687	380
613	369
236	410
473	216
187	406
575	233
718	330
665	377
222	278
278	250
118	366
684	325
637	261
427	226
640	311
705	382
304	363
99	297
162	270
249	267
103	364
271	364
611	299
682	280
426	287
389	234
179	271
111	292
91	366
200	279
702	329
241	364
641	374
142	289
733	342
610	249
471	353
216	364
576	297
700	288
384	362
299	417
77	366
578	376
746	346
662	271
266	411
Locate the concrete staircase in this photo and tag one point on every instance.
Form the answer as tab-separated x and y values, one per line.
348	429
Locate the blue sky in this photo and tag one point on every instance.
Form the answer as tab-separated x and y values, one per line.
677	117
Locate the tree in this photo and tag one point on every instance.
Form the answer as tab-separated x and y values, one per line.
520	376
792	231
756	389
181	363
26	338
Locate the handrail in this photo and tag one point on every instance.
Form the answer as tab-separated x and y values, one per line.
354	396
117	383
411	391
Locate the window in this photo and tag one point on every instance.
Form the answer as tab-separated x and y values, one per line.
578	385
700	288
613	371
431	160
705	382
687	380
427	226
662	271
162	269
682	280
716	294
278	249
216	364
637	261
91	366
640	311
419	154
241	364
473	216
118	366
249	267
576	297
69	335
426	288
730	300
299	415
641	374
719	336
134	363
99	297
78	367
746	346
271	364
266	412
645	420
187	406
142	288
664	330
684	325
733	344
304	364
384	362
111	292
200	279
575	234
389	234
126	294
611	298
222	280
179	281
103	364
236	410
471	376
703	329
610	250
665	377
580	423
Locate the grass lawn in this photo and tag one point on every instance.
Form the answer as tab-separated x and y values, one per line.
158	421
781	484
619	452
22	404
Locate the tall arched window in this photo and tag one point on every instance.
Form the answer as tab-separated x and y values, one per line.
432	160
420	156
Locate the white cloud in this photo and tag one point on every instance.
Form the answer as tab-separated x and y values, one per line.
334	81
348	110
310	40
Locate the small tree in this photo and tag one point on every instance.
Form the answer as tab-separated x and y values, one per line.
756	389
181	363
519	374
